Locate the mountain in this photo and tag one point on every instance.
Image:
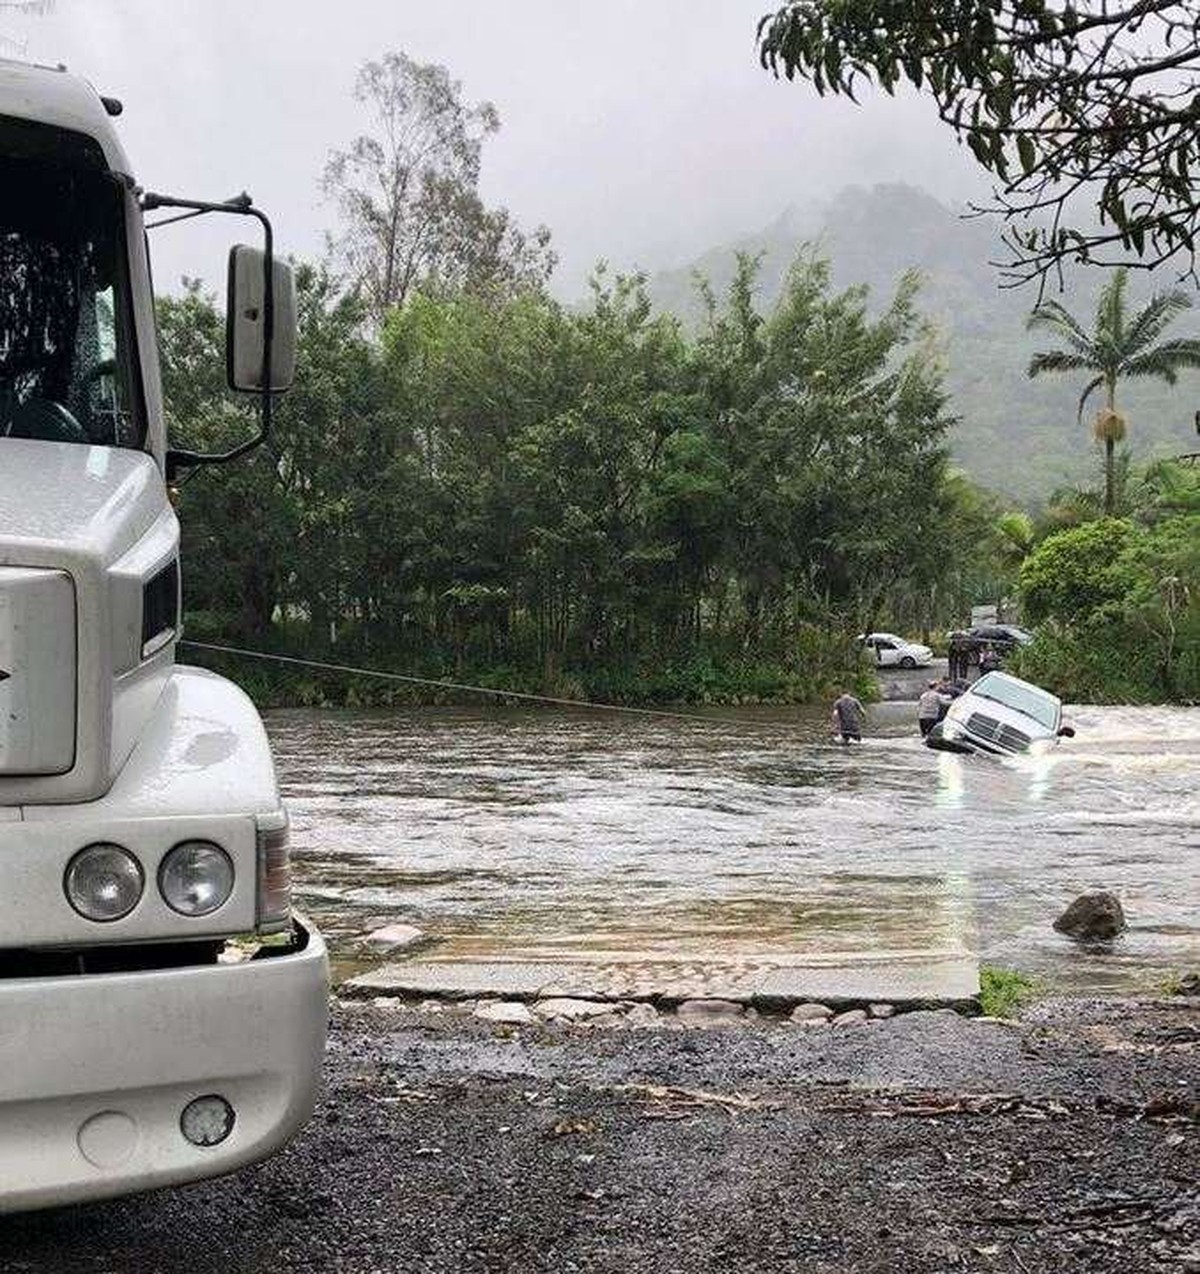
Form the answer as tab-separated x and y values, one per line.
1014	435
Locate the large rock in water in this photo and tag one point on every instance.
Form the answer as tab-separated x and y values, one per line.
1094	917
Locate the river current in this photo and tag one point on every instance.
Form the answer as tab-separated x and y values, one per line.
546	833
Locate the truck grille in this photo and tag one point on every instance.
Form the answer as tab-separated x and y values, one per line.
37	671
993	731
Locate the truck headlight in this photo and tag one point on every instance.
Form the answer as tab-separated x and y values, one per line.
195	878
103	882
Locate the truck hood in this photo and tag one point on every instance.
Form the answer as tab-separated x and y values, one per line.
88	558
60	495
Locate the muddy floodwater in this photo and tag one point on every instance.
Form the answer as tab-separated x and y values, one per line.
542	834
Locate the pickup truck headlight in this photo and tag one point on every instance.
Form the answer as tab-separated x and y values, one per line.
196	878
103	882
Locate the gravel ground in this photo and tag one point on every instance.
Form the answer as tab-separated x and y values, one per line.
923	1143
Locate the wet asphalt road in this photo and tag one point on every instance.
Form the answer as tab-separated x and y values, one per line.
925	1143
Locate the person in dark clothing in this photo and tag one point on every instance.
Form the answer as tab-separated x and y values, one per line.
974	654
958	654
848	717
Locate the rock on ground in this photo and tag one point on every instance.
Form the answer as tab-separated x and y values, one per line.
851	1017
397	937
1093	917
561	1008
508	1012
811	1013
642	1015
700	1011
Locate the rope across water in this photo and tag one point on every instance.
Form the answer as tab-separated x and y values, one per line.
521	695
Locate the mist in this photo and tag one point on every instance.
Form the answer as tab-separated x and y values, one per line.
639	133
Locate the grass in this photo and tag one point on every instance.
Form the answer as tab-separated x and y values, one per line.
1004	992
1181	984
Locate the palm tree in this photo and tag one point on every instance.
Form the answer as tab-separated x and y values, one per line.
1071	506
1015	537
1118	349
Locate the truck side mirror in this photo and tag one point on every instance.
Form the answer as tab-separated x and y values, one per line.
1066	732
245	322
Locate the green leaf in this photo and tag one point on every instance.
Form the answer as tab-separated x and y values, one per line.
1027	153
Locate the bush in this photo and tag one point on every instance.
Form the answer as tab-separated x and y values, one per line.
1101	666
1118	608
1073	574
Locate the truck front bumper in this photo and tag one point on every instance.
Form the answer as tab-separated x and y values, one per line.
95	1072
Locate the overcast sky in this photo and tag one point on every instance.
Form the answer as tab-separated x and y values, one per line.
642	131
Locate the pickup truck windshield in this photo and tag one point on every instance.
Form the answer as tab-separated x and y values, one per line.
1021	696
65	358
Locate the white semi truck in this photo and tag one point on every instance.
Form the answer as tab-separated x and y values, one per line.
141	828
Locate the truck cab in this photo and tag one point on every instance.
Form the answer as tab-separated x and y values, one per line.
162	1008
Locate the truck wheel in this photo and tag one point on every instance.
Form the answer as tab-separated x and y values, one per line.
908	662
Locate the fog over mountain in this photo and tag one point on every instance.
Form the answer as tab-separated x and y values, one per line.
1016	436
638	132
643	134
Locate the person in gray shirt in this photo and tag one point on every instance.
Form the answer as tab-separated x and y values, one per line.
929	708
848	717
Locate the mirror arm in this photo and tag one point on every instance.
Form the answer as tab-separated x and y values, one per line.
240	205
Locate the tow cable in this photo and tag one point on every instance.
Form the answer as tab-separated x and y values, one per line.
524	696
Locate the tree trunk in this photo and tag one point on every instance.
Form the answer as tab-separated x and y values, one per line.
1110	493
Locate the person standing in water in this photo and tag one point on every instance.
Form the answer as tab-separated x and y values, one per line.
848	717
929	708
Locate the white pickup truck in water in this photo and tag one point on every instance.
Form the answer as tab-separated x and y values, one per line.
141	827
1000	715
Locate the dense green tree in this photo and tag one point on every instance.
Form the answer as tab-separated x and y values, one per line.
1119	347
1118	607
290	509
584	499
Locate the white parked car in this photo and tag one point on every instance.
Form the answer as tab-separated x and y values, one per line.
890	651
1001	715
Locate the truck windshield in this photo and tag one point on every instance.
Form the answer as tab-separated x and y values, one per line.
65	350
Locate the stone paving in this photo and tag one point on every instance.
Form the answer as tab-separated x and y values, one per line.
777	983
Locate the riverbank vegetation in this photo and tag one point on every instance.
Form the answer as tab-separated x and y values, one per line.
1116	600
1114	585
472	481
590	502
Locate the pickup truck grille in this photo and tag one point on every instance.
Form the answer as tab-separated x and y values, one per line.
993	731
